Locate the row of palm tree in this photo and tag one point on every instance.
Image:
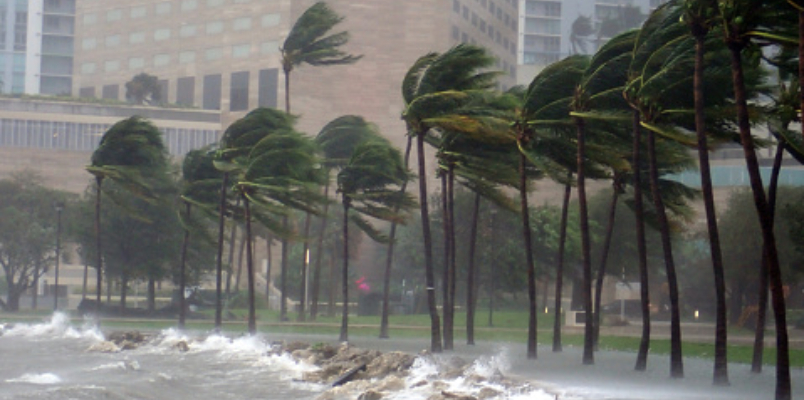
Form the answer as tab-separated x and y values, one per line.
649	79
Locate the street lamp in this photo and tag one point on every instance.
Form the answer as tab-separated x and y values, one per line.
59	208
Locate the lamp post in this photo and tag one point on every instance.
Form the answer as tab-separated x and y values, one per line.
59	208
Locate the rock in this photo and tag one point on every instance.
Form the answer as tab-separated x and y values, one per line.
390	384
444	395
418	384
127	340
440	385
488	393
104	347
182	346
293	346
396	363
301	354
370	395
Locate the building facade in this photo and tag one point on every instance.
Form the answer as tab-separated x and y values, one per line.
224	54
36	46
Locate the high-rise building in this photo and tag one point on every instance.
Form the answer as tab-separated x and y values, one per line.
550	30
36	46
224	54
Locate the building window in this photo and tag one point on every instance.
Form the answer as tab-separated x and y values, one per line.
492	7
238	92
90	18
269	47
491	31
474	19
163	90
214	53
136	37
268	88
114	15
464	37
270	20
161	34
241	50
113	41
185	91
482	25
214	27
189	5
186	57
88	68
456	6
89	43
111	66
187	30
242	24
138	12
111	92
163	8
466	13
161	60
456	33
136	63
212	92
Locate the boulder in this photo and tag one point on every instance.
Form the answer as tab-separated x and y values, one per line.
104	347
182	346
488	393
370	395
444	395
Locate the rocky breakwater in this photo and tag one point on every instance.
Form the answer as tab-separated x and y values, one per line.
364	374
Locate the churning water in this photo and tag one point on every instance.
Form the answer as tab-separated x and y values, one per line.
54	360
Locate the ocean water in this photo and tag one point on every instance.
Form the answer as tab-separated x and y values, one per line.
56	360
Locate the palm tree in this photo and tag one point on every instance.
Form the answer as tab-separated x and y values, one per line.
200	180
280	174
700	16
128	153
234	148
431	88
337	140
309	42
742	21
369	185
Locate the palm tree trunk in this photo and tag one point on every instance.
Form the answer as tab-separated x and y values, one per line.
435	328
283	282
123	285
84	285
98	248
219	264
252	315
287	89
562	239
601	271
230	260
447	253
721	372
345	274
588	341
268	257
762	298
305	261
318	253
151	294
783	385
449	339
332	282
523	200
240	253
389	259
676	362
471	271
183	266
644	343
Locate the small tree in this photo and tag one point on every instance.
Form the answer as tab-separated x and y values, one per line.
144	89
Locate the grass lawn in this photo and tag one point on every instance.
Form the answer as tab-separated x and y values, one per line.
509	326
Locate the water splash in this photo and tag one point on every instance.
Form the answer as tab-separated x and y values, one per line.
37	379
59	327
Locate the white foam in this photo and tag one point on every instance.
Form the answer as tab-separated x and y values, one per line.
37	379
58	327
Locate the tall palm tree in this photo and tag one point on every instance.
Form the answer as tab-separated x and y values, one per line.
700	15
337	141
742	22
431	88
310	42
129	153
231	158
369	186
280	174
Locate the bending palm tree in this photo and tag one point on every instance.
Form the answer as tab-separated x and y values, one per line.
369	185
309	42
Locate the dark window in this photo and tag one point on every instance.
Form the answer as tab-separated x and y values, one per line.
111	92
185	91
456	6
86	92
238	92
163	91
212	92
267	96
456	33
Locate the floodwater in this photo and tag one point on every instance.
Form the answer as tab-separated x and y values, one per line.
54	360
